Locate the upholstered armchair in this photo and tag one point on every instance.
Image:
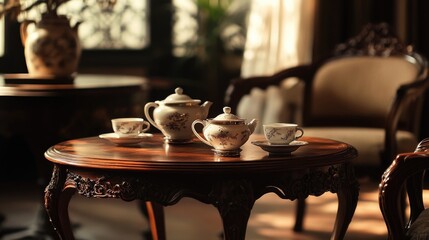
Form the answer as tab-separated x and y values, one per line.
368	94
406	171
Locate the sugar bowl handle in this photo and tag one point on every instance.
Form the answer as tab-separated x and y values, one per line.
204	123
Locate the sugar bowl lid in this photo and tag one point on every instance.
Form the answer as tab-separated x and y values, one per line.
179	98
227	118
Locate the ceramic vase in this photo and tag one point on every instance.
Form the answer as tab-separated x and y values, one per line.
51	46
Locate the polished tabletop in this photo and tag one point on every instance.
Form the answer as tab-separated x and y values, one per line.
80	84
154	154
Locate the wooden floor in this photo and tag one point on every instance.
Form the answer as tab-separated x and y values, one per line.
272	217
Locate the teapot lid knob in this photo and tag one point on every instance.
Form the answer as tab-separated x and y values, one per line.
179	98
227	110
228	116
178	90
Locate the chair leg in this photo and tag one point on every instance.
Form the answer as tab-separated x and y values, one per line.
300	211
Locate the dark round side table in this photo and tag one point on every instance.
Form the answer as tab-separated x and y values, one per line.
37	113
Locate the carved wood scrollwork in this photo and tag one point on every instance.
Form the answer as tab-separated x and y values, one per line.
234	200
51	191
127	188
314	183
233	195
374	40
53	184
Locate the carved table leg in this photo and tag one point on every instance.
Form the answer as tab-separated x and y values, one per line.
234	201
57	198
348	192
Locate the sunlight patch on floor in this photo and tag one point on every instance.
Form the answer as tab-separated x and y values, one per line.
368	226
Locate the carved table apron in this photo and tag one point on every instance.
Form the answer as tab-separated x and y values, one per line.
162	173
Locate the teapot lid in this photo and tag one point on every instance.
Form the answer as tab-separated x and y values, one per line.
179	98
228	117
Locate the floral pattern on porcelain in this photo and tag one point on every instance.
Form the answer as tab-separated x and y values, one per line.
176	121
225	132
223	137
52	46
275	132
174	115
127	128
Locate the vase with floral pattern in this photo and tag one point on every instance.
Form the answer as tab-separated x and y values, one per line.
51	46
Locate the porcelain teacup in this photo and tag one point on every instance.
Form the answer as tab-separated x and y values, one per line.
282	133
129	127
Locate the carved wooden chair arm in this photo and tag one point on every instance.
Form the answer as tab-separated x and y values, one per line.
406	170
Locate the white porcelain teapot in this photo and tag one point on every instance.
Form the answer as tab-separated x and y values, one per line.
226	133
174	115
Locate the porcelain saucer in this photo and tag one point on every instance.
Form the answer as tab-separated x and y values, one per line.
279	149
115	138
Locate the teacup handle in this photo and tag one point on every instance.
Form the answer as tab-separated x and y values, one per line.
298	129
148	106
195	122
146	126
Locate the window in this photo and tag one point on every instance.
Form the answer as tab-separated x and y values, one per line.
198	22
185	27
113	33
110	24
136	33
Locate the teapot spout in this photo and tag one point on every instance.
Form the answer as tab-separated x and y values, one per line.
205	108
252	125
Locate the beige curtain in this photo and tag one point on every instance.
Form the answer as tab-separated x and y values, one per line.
280	34
1	37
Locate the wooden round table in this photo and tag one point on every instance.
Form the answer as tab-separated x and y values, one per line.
163	173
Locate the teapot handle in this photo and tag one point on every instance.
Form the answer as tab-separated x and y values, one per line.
195	122
147	114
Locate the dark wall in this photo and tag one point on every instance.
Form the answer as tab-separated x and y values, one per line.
338	20
13	60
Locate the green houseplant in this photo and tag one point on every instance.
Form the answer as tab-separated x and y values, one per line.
52	46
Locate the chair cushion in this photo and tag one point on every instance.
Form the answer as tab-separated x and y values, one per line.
368	141
419	230
365	84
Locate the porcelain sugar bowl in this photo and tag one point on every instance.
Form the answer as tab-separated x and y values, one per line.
174	115
226	133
